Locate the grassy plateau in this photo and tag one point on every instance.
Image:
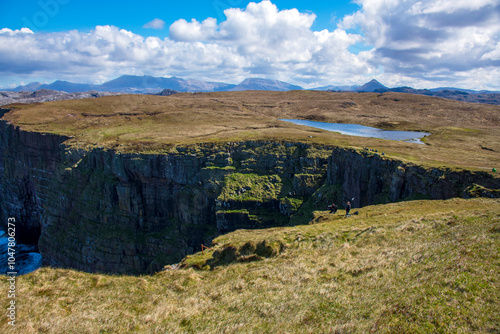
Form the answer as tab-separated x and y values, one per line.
463	135
409	267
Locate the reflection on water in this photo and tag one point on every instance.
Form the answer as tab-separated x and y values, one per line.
363	131
27	257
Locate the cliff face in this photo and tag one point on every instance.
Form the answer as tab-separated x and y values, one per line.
28	162
132	213
102	211
124	213
372	178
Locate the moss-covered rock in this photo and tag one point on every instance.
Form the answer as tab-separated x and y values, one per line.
477	190
251	187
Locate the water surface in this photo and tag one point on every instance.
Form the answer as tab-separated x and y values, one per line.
363	131
27	257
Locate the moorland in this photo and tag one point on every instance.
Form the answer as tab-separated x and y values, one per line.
421	266
462	134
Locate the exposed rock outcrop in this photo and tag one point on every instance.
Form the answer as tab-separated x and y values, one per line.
372	178
168	92
28	162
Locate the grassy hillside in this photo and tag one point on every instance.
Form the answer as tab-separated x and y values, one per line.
463	134
412	267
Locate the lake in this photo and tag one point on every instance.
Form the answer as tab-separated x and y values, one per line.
363	131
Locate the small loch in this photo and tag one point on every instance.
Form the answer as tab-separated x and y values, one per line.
363	131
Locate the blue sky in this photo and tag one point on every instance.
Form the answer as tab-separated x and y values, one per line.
56	16
419	43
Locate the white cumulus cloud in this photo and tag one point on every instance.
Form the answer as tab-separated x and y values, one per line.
155	24
15	32
439	41
278	43
406	42
182	30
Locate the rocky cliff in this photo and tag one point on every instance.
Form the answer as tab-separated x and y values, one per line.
134	213
371	178
28	162
102	211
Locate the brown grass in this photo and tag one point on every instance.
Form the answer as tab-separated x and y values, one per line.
463	134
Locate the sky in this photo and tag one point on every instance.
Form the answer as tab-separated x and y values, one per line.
418	43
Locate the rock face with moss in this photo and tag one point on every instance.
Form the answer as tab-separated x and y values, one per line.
371	178
28	162
268	184
101	211
134	213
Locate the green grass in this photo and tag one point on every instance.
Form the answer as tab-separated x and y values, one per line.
411	267
250	187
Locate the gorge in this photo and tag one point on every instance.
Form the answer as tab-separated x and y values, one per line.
106	209
100	211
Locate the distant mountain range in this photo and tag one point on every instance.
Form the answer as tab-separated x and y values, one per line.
459	94
131	84
264	84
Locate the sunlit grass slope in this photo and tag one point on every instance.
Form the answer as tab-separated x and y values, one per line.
411	267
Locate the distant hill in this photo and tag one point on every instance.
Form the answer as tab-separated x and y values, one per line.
32	86
408	90
131	84
371	86
264	84
338	88
452	94
152	85
70	87
489	98
64	86
470	91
